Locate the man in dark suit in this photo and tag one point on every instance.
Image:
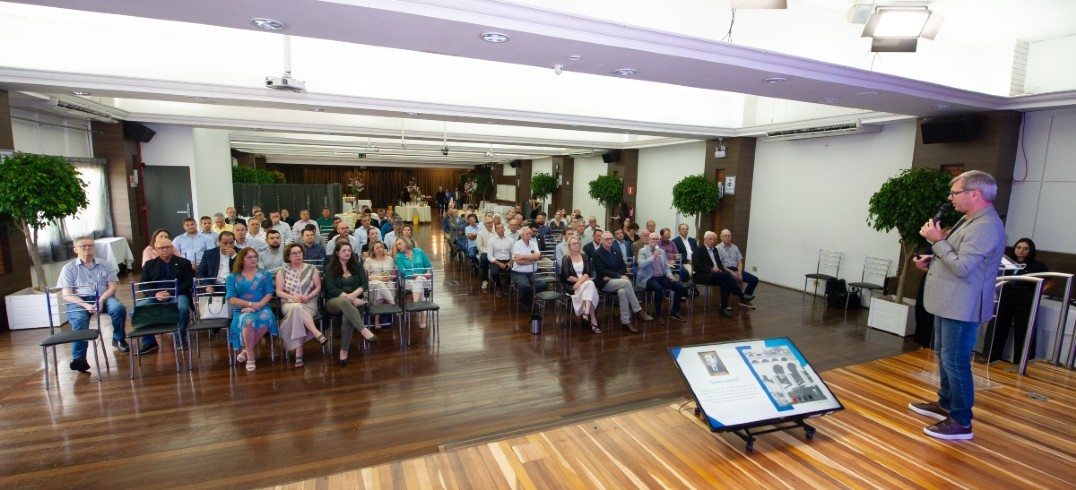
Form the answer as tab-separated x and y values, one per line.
709	270
593	246
169	266
688	247
959	292
609	271
217	262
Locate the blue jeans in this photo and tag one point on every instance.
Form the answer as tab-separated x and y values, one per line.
184	315
80	319
472	254
954	342
750	280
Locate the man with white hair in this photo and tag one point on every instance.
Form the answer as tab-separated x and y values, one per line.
733	260
80	279
654	274
609	270
710	270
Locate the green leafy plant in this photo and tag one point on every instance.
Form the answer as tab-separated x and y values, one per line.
608	190
485	184
247	175
38	190
695	195
542	185
904	203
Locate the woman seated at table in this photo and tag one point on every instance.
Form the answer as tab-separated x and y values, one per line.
415	270
345	282
249	290
149	253
1014	308
298	285
381	270
577	275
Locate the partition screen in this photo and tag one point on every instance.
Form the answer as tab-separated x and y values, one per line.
750	383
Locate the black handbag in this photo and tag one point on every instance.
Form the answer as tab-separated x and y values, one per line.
155	314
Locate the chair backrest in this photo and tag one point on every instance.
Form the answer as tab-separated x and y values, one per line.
210	286
146	289
428	289
318	264
548	273
829	260
389	284
875	270
57	304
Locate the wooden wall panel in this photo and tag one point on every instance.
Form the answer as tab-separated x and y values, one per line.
628	171
523	188
109	143
17	267
383	184
735	210
7	137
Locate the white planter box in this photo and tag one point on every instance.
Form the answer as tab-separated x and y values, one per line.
891	317
27	309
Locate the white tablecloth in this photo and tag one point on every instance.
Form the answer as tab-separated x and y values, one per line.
408	213
114	250
1046	329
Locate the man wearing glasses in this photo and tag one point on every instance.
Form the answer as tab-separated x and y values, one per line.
609	271
79	278
959	292
217	261
169	266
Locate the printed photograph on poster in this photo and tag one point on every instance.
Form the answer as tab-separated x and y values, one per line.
713	363
780	373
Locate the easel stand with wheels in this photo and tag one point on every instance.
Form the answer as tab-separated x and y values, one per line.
748	433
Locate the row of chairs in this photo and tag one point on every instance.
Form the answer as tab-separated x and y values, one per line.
872	278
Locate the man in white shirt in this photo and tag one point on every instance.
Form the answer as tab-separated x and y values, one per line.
273	257
304	219
363	231
482	242
514	225
254	229
191	244
525	257
499	252
280	226
588	232
730	256
342	231
242	240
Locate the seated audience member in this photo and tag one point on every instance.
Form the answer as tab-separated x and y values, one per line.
609	271
514	225
665	243
254	229
687	247
557	224
298	285
594	244
276	223
730	256
274	256
407	235
82	279
499	251
150	252
390	237
415	271
482	241
652	272
446	221
365	228
243	240
544	230
525	255
191	244
709	270
217	262
621	244
381	273
287	218
470	242
249	291
346	283
387	226
342	232
220	225
632	233
168	266
325	221
626	228
207	229
562	245
332	234
588	231
231	218
304	220
577	275
312	252
372	236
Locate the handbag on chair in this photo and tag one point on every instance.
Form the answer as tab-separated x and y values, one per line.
154	314
214	308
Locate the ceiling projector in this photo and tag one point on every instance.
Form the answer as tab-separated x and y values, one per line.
285	83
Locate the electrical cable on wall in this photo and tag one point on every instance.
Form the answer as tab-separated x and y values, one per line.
728	35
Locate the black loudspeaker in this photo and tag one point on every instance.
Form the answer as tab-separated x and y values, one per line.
611	156
515	163
949	129
138	131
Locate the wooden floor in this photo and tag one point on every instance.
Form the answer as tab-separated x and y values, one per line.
488	379
876	442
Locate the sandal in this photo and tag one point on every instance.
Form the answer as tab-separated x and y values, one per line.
251	366
299	361
242	357
595	329
321	338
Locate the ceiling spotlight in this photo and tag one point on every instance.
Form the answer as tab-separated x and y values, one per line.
318	109
268	24
625	72
558	69
412	113
494	37
866	94
575	57
719	151
444	151
828	100
775	80
79	92
898	29
942	106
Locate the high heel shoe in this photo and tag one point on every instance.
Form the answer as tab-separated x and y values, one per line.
321	338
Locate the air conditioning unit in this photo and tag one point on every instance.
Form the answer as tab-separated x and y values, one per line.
86	109
823	131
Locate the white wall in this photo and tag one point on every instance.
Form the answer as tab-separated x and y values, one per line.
1044	184
212	182
660	169
812	194
586	170
45	134
172	146
1050	67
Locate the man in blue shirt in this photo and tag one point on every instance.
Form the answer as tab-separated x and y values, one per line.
79	279
191	245
471	232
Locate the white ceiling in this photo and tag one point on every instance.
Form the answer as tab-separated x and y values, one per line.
396	75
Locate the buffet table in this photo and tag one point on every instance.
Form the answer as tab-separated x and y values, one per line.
114	250
408	212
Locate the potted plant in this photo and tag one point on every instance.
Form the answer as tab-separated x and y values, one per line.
484	184
608	190
904	203
695	195
35	191
542	186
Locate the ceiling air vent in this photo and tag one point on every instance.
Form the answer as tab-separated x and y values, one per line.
823	131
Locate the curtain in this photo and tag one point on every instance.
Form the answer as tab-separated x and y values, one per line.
54	241
383	184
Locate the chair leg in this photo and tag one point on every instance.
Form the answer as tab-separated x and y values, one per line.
176	351
45	352
97	360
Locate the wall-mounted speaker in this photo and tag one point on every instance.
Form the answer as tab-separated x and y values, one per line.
138	131
953	129
611	156
515	163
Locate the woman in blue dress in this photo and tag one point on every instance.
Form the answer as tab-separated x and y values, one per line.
249	290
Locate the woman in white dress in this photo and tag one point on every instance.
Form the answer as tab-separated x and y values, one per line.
576	273
381	271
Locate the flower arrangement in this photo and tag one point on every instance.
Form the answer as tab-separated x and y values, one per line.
413	189
356	184
471	186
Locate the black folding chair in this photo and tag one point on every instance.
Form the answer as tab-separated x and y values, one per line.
92	335
141	291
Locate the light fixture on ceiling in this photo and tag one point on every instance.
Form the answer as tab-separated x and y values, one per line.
444	140
558	69
318	109
370	148
719	151
898	29
942	106
495	37
760	4
775	80
828	100
866	94
286	82
625	72
575	57
268	24
489	153
412	113
79	92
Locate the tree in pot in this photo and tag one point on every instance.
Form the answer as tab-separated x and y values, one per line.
543	185
484	185
695	195
608	190
38	190
904	203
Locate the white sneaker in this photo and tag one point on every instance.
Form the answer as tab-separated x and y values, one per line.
485	285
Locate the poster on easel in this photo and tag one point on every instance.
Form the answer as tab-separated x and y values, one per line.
748	383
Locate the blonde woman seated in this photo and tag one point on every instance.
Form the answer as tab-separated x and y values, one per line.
381	271
249	290
577	275
298	285
416	272
345	282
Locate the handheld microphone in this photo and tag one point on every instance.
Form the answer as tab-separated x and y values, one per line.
943	210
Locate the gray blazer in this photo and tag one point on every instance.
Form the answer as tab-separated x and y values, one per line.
960	279
644	267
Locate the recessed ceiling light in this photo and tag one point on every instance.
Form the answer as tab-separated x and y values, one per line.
318	109
625	72
79	92
268	24
412	113
775	80
866	94
828	100
494	37
942	106
575	57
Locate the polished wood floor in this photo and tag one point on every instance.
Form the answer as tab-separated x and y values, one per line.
876	442
487	379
